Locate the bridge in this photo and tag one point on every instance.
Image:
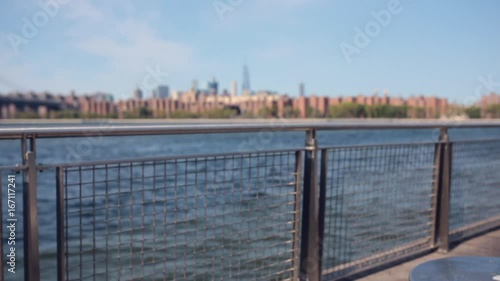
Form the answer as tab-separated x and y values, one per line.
317	212
11	105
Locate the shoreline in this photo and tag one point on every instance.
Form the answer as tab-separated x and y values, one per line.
237	121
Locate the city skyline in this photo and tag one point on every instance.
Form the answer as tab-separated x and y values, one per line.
196	101
139	93
408	47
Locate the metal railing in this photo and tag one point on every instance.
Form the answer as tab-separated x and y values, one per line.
309	213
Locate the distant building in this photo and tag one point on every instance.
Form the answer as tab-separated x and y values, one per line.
137	94
489	99
176	95
301	90
257	103
486	101
194	86
161	92
213	87
234	88
102	97
245	85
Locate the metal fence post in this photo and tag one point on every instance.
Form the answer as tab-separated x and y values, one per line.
309	259
31	255
61	261
435	191
442	189
322	206
296	215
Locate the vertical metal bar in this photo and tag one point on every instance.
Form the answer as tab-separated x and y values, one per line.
31	255
106	233
80	223
66	221
322	206
296	215
444	215
33	143
61	261
435	192
24	149
309	241
93	224
443	193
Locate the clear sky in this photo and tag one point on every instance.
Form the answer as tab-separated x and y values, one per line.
426	47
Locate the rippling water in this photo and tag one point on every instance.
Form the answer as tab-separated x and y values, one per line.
232	203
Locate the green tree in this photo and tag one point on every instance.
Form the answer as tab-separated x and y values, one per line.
347	110
220	113
141	112
493	111
417	112
65	114
113	115
386	111
268	112
290	112
473	112
312	112
183	114
27	115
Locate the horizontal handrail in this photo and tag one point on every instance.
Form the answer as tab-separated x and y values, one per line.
164	158
273	125
16	168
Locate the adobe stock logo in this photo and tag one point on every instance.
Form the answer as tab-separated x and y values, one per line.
225	8
48	9
153	79
363	37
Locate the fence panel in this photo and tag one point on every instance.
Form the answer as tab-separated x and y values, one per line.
379	204
219	217
475	187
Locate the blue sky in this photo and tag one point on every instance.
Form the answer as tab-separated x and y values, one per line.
428	47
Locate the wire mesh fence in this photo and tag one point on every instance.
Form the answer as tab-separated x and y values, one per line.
379	204
228	217
237	216
475	187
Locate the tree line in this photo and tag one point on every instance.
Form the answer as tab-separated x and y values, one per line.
492	111
344	110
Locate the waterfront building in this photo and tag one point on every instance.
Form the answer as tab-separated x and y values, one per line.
488	100
198	101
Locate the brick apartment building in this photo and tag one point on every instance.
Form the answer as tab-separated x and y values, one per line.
197	102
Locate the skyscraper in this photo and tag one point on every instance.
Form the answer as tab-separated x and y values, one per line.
194	86
301	89
245	86
213	86
161	92
137	94
234	88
